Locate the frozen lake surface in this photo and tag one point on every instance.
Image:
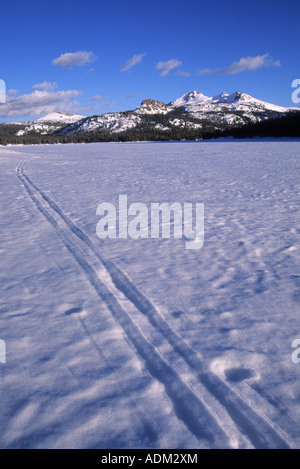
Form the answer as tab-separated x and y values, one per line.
123	343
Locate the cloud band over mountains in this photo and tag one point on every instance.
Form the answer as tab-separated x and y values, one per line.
244	64
39	102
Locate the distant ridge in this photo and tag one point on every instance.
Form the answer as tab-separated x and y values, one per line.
191	116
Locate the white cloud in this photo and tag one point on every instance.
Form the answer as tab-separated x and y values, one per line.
46	85
182	73
39	103
137	58
167	66
245	63
71	59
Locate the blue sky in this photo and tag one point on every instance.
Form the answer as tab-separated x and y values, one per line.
94	56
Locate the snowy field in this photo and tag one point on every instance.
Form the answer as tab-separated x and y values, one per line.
123	343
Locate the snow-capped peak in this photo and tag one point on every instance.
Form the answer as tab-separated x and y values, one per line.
220	98
50	123
150	106
190	98
196	102
191	95
63	117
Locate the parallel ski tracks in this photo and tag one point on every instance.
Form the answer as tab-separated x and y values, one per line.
192	404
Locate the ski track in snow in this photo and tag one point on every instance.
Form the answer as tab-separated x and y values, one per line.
239	423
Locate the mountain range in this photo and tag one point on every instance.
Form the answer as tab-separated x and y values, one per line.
191	116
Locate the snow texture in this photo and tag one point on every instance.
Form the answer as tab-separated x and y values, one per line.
122	343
